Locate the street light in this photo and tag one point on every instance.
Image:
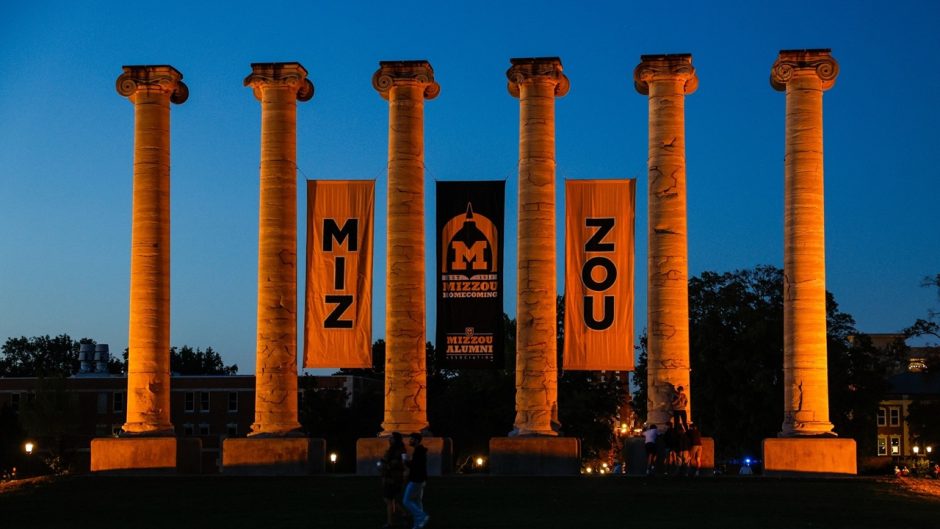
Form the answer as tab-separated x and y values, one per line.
333	458
479	461
916	450
929	449
28	448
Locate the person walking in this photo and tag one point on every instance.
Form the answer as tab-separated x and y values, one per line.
649	437
392	469
695	439
417	477
679	404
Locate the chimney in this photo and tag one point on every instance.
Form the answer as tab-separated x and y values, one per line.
86	352
101	358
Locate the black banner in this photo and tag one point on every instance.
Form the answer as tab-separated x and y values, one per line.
470	274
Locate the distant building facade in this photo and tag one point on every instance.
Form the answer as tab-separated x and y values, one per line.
210	407
911	384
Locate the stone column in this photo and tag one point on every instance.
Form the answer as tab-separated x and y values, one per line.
278	86
151	89
536	82
405	85
667	79
804	75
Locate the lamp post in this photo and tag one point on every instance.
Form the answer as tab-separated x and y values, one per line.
333	458
28	448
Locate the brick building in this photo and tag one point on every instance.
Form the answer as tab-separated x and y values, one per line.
89	405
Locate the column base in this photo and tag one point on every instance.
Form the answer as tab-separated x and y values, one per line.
802	456
635	448
369	451
535	456
146	455
273	456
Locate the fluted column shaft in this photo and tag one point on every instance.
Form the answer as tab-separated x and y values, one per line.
405	84
278	86
804	75
151	89
667	79
536	82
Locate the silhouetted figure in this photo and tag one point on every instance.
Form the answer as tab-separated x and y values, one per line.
392	470
650	435
695	439
679	404
417	477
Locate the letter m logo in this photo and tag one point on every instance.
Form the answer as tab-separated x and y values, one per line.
349	234
472	255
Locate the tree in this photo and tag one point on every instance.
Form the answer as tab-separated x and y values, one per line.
377	371
324	413
736	356
588	401
40	356
639	378
188	361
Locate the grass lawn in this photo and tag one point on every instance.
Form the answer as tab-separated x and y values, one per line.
468	502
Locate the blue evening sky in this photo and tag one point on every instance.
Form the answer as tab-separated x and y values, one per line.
66	140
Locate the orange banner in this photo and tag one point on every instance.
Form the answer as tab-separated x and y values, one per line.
338	312
599	249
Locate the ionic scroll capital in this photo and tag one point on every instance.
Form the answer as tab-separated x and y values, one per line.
671	67
795	63
405	73
289	75
537	70
160	78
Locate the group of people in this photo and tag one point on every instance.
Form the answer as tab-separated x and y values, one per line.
677	447
403	480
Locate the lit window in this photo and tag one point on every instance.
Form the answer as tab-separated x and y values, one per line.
190	405
203	428
895	445
232	401
895	416
118	402
882	445
204	402
882	417
188	429
231	429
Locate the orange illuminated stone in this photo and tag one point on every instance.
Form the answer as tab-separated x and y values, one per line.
405	85
151	89
804	75
666	79
536	82
278	86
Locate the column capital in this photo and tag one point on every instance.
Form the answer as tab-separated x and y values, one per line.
537	69
152	78
790	63
670	67
405	73
289	75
